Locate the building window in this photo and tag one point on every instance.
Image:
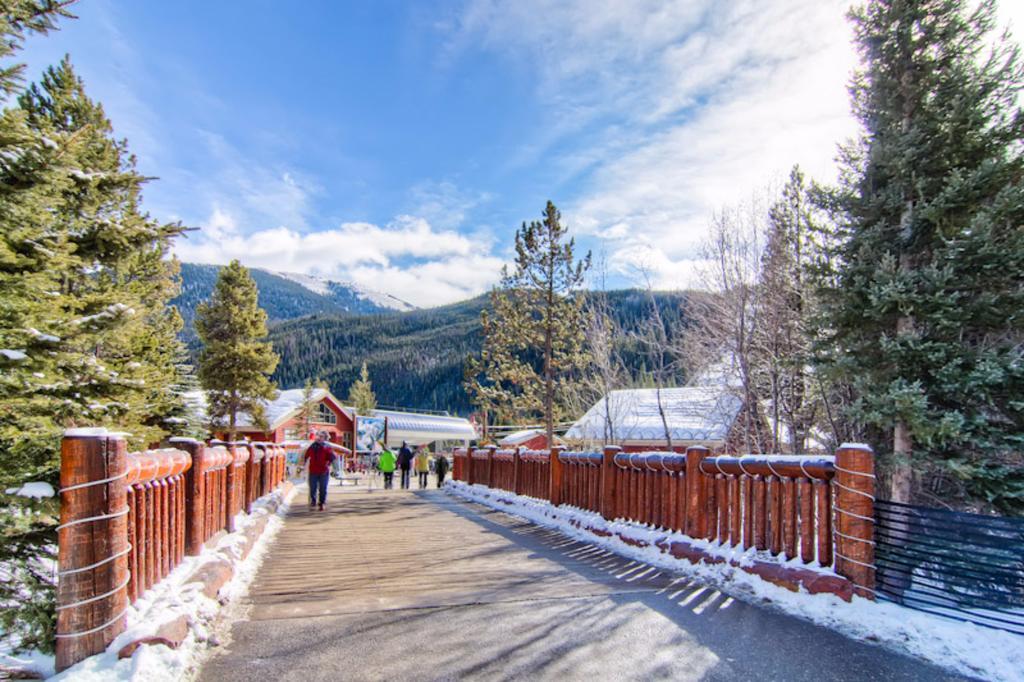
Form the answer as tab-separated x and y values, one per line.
324	415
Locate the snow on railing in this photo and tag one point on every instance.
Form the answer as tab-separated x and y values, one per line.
127	520
816	510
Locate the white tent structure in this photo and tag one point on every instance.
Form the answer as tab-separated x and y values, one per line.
632	418
420	429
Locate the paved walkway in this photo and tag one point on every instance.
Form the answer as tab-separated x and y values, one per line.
421	586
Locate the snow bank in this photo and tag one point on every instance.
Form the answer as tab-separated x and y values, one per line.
962	647
170	599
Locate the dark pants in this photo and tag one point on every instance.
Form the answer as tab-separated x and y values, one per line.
389	480
318	484
440	478
423	478
405	479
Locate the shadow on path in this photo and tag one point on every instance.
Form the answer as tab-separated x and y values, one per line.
422	586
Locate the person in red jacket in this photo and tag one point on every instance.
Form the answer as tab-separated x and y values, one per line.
319	455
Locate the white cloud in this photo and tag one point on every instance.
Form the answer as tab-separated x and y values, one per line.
433	282
697	105
407	257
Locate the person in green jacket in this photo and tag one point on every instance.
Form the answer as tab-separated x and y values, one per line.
386	462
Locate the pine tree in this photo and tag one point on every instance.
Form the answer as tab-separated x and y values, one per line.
235	362
117	358
308	410
928	314
534	343
360	395
33	247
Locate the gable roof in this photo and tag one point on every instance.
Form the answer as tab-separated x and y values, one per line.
289	403
279	410
693	413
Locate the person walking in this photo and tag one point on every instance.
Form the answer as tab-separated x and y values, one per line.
387	467
422	464
405	458
440	468
319	456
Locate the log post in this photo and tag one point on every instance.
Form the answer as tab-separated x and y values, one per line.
250	477
696	493
469	464
608	492
515	470
491	449
555	476
93	533
855	513
195	494
231	489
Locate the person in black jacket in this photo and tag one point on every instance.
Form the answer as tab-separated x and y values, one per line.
405	457
440	468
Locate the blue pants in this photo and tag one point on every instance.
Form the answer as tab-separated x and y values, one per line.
318	484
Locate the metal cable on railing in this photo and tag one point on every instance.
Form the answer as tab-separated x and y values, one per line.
968	567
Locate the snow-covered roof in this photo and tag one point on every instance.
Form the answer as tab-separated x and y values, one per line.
425	428
278	411
693	413
520	437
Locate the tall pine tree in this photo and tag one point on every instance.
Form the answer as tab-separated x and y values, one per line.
927	319
118	355
534	341
235	363
360	395
84	282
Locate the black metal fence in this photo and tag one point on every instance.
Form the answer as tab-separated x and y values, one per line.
964	566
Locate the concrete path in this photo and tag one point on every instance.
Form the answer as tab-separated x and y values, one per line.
421	586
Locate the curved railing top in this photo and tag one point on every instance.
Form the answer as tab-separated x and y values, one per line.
504	455
541	456
673	462
592	459
216	458
815	467
156	465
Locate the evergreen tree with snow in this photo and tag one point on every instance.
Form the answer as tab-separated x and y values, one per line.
118	355
360	395
926	319
236	362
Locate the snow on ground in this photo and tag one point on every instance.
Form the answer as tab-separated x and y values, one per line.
166	601
962	647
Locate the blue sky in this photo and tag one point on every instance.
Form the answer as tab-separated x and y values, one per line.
399	145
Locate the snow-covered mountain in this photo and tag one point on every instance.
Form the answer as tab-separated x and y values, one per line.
343	289
286	295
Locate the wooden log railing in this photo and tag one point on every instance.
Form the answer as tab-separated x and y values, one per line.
581	479
817	510
503	469
156	516
127	520
778	503
460	470
534	473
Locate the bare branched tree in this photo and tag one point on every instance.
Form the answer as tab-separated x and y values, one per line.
726	318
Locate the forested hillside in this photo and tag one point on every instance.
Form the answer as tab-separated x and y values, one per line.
416	358
283	298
